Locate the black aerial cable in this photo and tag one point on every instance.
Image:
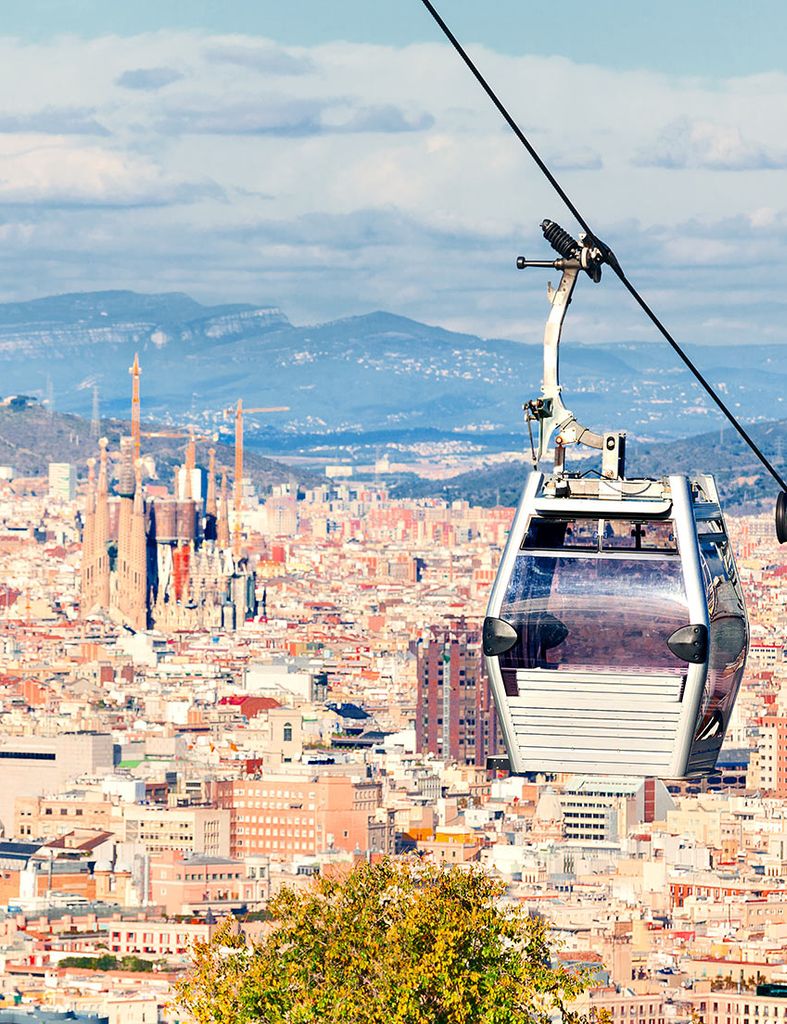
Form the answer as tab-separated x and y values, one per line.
611	260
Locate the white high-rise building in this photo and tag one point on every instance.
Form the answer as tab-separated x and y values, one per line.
62	481
199	483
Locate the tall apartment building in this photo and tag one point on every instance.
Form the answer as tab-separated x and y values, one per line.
768	766
62	481
455	716
289	816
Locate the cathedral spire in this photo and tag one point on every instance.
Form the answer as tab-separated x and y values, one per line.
188	469
224	516
210	503
91	486
138	556
102	528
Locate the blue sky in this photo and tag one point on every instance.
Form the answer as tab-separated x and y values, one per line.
702	37
336	158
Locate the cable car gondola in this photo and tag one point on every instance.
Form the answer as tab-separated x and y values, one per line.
616	632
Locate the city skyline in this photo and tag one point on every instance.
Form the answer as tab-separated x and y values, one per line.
161	780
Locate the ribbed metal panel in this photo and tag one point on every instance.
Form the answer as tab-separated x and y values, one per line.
595	722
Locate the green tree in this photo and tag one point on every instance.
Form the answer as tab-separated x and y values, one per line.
393	943
107	962
135	963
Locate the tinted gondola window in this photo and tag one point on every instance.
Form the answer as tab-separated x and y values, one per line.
639	535
595	614
728	635
562	533
609	534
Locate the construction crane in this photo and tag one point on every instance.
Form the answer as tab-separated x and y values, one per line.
237	493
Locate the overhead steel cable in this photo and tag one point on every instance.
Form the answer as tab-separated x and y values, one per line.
609	256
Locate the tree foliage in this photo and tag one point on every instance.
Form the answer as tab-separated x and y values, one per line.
107	962
393	943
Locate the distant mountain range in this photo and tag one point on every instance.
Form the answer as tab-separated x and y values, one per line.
377	373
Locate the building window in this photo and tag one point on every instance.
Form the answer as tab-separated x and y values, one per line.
287	734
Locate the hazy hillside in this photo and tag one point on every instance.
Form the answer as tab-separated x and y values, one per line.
30	438
743	481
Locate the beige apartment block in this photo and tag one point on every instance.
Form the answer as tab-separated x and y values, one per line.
286	816
155	938
37	817
142	1009
190	829
625	1006
739	1007
193	884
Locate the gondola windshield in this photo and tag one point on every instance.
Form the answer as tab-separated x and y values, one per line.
589	611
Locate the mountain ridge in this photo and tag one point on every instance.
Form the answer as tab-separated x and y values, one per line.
31	438
363	372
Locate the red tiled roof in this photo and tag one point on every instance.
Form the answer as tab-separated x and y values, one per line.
250	705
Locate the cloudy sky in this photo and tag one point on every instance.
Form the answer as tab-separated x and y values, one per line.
337	158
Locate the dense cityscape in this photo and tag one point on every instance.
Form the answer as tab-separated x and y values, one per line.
209	694
316	705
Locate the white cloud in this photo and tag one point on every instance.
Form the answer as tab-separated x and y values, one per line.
60	173
711	146
342	177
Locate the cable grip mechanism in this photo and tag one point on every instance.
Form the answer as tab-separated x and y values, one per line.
548	410
585	253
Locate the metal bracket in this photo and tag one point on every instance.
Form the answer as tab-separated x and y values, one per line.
549	410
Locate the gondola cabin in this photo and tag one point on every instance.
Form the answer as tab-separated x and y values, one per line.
616	632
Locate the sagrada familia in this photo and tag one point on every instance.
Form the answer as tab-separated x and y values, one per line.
161	563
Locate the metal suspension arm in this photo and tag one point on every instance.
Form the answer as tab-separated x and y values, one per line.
549	410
